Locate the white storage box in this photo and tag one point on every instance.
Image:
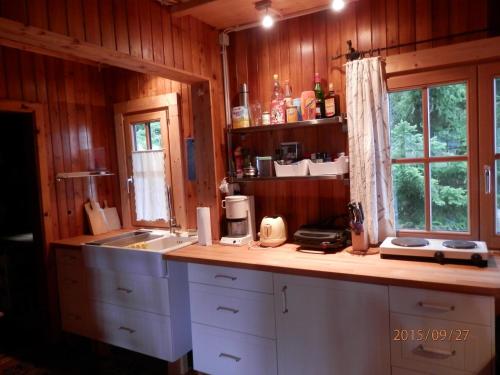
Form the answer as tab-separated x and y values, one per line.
296	169
337	167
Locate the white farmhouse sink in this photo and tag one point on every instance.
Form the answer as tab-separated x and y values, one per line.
138	252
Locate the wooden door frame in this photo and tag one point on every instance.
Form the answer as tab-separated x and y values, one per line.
152	104
37	110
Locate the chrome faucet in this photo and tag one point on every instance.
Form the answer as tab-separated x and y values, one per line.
172	219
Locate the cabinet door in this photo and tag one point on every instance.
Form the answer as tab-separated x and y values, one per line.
331	327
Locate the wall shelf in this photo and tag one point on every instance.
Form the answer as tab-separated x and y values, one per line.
337	120
343	178
67	175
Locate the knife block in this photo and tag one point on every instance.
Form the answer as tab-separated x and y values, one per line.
360	241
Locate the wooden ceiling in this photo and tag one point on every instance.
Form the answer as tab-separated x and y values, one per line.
226	13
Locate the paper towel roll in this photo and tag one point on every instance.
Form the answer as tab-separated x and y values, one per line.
204	226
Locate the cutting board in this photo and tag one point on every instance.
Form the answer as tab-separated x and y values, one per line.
112	217
97	219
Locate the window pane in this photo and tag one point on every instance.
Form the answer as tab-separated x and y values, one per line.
409	195
405	118
497	113
449	196
155	135
139	133
448	119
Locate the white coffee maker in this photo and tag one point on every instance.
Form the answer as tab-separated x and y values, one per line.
240	218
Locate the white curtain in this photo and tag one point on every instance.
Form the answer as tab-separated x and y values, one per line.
149	186
369	149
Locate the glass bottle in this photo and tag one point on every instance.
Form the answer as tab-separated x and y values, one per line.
331	102
277	103
320	97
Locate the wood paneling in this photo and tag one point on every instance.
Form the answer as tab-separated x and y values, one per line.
65	89
297	48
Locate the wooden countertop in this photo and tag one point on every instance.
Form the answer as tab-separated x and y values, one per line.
345	266
78	241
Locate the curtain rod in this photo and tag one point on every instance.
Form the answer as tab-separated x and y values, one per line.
352	54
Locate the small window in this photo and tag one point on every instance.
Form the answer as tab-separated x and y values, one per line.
429	148
147	135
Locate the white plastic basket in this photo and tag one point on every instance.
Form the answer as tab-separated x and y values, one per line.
296	169
337	167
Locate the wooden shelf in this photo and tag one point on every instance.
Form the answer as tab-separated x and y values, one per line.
67	175
344	178
337	120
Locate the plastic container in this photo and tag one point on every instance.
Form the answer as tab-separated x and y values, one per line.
338	167
300	168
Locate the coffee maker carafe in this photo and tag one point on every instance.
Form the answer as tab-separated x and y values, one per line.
240	220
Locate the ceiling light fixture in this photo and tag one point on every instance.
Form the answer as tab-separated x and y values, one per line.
267	21
338	5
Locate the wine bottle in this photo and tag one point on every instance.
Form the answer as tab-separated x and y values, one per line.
331	102
320	97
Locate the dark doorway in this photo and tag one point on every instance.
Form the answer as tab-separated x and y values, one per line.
21	246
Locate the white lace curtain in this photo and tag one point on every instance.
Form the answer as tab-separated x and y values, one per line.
149	186
369	152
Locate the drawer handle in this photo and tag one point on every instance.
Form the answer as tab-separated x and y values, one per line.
230	356
433	306
436	352
120	289
232	278
284	302
129	330
223	308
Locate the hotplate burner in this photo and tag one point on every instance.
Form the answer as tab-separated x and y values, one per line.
409	242
459	244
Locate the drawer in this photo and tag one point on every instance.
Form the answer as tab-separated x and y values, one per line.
71	279
130	290
238	310
442	305
237	278
463	347
72	257
217	351
139	331
76	315
404	371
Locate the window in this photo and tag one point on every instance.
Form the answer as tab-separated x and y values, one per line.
431	155
147	136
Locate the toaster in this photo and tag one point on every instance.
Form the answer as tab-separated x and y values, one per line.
272	231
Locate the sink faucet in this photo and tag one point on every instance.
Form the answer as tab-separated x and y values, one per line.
172	220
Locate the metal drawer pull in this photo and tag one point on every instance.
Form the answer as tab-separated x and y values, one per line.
223	308
120	289
487	179
284	301
129	330
440	352
233	357
436	307
232	278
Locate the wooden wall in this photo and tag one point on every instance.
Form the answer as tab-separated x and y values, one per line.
297	48
79	132
141	28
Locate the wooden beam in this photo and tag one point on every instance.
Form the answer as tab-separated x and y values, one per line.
477	51
38	40
185	9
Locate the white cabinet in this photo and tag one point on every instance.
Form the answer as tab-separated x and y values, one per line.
232	320
327	327
442	333
139	302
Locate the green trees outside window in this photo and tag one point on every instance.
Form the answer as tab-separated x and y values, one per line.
446	111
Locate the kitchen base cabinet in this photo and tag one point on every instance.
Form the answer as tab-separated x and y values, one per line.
220	352
327	327
146	313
